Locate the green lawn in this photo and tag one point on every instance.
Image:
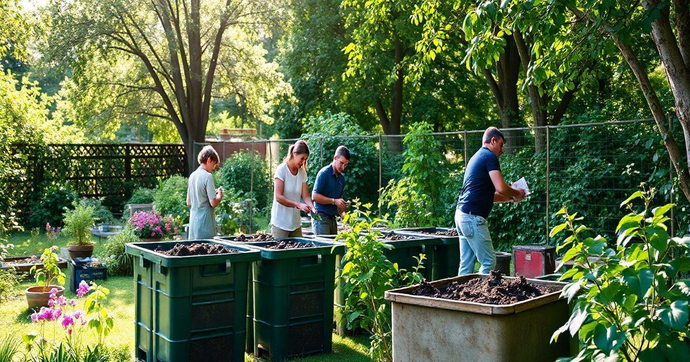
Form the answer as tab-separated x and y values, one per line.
15	314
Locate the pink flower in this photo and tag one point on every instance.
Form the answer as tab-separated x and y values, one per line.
34	317
73	302
83	289
67	320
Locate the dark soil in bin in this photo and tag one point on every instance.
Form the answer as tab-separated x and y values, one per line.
397	237
492	290
287	244
254	238
33	259
449	232
196	249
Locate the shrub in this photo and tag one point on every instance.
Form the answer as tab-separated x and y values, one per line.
101	213
333	130
50	271
119	262
142	195
367	274
151	225
49	206
170	198
8	278
630	300
232	214
236	174
78	221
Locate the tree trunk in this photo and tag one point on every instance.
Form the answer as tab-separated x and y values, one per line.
678	160
392	125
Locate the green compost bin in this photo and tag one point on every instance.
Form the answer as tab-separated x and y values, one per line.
190	308
249	343
339	325
445	255
405	251
293	299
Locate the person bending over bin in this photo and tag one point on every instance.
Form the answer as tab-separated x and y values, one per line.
202	196
328	193
290	186
483	185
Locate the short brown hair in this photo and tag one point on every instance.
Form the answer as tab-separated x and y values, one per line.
206	153
492	132
342	151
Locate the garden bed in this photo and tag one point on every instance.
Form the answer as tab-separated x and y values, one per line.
23	264
195	249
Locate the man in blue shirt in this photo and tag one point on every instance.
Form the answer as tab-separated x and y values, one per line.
328	193
483	185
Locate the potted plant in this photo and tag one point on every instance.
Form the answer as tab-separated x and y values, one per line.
152	226
78	223
38	296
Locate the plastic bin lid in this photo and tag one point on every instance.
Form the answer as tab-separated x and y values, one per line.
146	251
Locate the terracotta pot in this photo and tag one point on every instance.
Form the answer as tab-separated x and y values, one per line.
39	296
80	251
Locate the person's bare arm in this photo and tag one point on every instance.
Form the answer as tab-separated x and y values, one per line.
317	197
216	200
307	197
503	189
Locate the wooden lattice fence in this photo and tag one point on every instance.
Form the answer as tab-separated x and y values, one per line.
109	171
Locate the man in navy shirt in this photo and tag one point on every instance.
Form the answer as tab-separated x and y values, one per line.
482	186
328	193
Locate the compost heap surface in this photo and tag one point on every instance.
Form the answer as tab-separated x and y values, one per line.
196	249
492	290
449	232
397	237
33	259
287	244
254	238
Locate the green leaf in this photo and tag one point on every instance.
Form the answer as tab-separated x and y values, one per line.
557	229
662	210
636	195
576	319
676	350
684	286
680	264
639	281
608	339
675	316
629	221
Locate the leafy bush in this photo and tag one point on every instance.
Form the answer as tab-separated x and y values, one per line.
333	130
416	197
171	198
119	262
367	274
49	206
630	300
50	271
142	195
8	278
78	221
236	174
101	213
232	214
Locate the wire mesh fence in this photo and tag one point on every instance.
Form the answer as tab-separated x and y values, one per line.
590	168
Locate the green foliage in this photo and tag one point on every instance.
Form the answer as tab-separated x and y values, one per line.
50	272
629	300
237	173
95	305
330	131
114	256
367	274
233	213
9	347
101	214
141	195
49	205
171	198
8	279
78	222
416	197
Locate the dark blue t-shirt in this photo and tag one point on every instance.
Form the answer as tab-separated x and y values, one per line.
477	196
327	184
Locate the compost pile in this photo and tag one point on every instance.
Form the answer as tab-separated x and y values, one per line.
34	259
196	249
449	232
254	238
492	290
287	244
397	237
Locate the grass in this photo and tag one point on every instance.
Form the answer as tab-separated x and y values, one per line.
16	315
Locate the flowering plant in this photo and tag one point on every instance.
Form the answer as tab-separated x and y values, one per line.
50	270
73	321
52	231
152	225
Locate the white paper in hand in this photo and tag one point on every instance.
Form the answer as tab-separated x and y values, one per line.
522	184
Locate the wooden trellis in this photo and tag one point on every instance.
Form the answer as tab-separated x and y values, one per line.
110	171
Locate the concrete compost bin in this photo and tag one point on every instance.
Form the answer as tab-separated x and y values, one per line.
434	329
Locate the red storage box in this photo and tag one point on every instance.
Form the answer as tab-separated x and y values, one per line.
534	260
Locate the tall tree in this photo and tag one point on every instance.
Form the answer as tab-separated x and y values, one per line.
178	50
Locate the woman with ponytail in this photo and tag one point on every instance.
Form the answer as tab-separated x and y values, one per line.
290	185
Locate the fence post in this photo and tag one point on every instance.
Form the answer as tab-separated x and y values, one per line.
464	156
548	196
251	192
320	154
270	173
128	163
380	169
